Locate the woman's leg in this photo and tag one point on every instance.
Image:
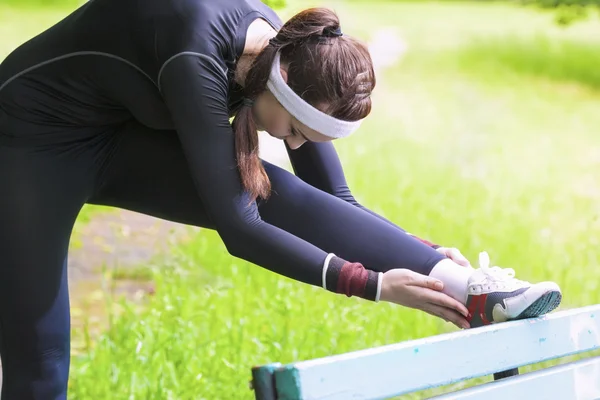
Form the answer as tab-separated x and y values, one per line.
41	192
149	174
491	295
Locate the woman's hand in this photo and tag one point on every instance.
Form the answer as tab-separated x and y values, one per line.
455	255
411	289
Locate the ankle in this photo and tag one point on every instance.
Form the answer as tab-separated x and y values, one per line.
455	278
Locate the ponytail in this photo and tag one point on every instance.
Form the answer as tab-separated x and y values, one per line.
253	175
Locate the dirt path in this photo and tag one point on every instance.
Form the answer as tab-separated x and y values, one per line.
114	242
120	239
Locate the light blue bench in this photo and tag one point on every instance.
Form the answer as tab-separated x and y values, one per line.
412	366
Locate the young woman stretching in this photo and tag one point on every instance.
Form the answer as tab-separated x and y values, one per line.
127	104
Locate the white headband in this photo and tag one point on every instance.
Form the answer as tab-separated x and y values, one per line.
310	116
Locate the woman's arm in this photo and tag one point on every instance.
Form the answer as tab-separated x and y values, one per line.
319	165
194	87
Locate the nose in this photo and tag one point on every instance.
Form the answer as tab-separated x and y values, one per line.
295	142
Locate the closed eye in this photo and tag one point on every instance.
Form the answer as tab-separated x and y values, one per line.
296	132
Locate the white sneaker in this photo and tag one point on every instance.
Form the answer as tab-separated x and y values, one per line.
495	295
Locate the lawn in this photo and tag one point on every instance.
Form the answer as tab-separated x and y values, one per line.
485	136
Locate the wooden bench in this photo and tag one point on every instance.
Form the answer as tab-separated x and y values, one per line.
412	366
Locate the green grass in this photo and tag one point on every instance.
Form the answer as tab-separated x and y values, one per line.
43	3
566	61
19	23
483	137
198	339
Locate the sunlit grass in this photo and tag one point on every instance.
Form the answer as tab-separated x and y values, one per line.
485	136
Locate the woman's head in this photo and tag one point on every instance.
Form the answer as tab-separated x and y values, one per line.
329	71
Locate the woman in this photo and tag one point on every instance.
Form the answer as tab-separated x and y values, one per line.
127	104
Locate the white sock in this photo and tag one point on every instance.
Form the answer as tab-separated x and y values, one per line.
455	278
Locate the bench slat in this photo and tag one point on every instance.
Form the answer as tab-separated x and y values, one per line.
576	380
396	369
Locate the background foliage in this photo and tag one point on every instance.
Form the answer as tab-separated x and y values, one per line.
567	11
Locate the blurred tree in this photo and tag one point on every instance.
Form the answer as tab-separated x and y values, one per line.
567	11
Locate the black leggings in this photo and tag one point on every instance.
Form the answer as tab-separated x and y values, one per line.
42	189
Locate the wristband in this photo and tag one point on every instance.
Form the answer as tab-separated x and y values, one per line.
351	279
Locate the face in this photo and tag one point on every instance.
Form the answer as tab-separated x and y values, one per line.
279	123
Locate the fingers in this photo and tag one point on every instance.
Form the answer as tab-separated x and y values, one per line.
455	255
425	281
443	300
447	314
434	295
458	258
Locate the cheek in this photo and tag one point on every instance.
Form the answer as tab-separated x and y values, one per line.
281	127
277	123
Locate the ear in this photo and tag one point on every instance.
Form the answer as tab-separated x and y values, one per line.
284	74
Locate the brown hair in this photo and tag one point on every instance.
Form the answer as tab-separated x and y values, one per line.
323	68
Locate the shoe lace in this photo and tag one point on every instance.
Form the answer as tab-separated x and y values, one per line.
494	273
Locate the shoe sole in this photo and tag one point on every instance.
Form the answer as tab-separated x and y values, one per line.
543	305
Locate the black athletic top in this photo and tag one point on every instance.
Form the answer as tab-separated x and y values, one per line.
170	65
